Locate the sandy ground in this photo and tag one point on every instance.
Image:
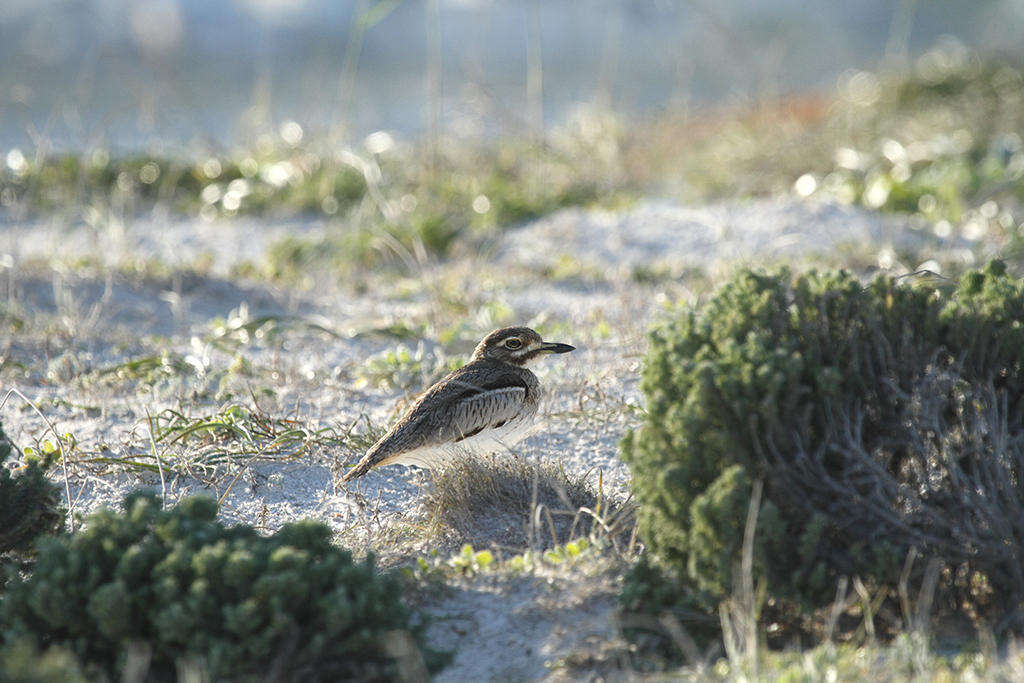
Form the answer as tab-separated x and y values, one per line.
500	628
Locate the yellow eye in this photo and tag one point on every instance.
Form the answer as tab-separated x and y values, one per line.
513	343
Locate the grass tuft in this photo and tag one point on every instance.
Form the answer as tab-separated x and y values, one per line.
237	431
513	502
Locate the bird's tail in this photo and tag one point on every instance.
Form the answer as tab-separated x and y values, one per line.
362	467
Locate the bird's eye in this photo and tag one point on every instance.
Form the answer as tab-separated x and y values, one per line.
513	343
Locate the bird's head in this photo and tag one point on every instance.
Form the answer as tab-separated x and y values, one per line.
516	345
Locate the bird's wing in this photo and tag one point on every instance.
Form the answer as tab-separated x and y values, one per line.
486	410
465	403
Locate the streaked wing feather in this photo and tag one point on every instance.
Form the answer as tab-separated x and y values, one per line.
486	410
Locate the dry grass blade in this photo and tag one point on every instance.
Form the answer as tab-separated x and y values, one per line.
159	461
739	615
838	607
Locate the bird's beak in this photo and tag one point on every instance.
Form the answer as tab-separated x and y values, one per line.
553	347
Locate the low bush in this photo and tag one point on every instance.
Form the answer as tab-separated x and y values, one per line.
29	502
184	590
880	418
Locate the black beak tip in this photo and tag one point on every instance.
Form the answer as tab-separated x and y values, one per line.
561	348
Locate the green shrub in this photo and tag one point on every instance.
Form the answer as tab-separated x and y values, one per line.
29	503
184	588
880	418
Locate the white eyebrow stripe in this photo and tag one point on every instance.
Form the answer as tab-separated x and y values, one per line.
526	349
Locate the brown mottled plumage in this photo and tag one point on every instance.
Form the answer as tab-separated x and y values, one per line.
483	405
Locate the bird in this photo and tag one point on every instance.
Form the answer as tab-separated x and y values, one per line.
485	405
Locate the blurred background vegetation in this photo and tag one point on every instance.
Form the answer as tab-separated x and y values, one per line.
178	75
412	129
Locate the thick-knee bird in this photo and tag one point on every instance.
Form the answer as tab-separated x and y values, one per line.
483	406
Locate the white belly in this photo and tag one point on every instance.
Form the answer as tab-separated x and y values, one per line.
488	441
